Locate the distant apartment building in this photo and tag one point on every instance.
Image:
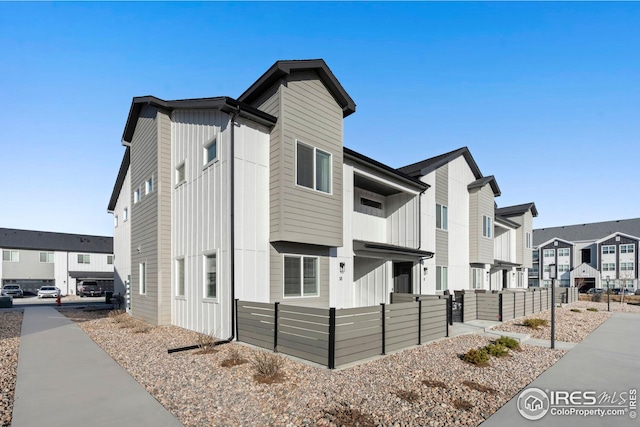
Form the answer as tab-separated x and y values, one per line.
38	258
587	255
256	198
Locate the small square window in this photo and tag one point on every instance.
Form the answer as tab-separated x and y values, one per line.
84	259
313	168
136	195
210	152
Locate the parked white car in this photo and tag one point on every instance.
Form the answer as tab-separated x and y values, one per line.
12	291
48	292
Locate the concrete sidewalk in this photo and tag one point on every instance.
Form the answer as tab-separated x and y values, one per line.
64	379
606	361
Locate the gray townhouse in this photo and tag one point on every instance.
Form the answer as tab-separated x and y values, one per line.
257	198
34	259
586	255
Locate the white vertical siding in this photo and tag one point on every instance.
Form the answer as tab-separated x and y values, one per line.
98	262
369	279
341	286
61	273
122	238
428	240
460	176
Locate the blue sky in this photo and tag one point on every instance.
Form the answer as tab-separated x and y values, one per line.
545	95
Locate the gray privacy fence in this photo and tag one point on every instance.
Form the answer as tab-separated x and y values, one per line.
334	337
507	305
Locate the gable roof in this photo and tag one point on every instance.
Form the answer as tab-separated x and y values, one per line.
545	243
517	210
506	221
285	67
426	166
491	180
122	173
222	103
11	238
387	170
592	231
617	233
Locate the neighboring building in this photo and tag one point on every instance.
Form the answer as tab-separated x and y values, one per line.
296	217
38	258
586	254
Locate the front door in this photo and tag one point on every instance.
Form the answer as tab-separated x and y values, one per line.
402	282
505	279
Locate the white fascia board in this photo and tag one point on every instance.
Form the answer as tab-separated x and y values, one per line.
383	181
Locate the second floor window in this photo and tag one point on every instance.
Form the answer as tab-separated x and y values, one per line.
442	217
608	266
313	168
528	240
46	257
487	229
626	266
84	259
109	259
627	249
563	268
548	253
563	252
609	249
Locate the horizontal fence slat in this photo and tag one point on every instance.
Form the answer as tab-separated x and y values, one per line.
357	311
284	321
284	329
311	311
359	318
374	323
303	317
304	344
320	359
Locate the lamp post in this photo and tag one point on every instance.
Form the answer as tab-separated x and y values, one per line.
552	276
608	296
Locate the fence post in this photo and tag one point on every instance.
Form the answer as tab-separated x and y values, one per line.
383	329
275	326
237	319
332	338
524	308
419	321
447	322
500	307
450	309
461	307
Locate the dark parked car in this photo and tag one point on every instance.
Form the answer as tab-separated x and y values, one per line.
90	289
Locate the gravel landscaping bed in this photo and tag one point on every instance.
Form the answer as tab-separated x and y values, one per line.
10	326
571	326
427	386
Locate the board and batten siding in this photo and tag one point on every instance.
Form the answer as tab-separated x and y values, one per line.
307	113
524	254
201	219
442	198
402	219
370	279
144	216
277	252
122	238
459	178
481	202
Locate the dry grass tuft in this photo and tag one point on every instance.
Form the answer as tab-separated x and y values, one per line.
345	415
462	405
267	367
408	395
206	343
233	358
479	387
434	383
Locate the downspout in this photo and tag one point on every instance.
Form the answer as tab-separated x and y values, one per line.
232	232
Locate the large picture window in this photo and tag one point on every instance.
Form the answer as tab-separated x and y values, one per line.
300	276
313	168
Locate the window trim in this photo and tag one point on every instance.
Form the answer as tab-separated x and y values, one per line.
142	278
125	214
528	240
136	195
116	221
205	256
148	186
88	257
480	276
315	166
46	253
626	247
563	250
545	251
443	210
302	293
609	250
112	259
205	152
180	295
487	224
180	166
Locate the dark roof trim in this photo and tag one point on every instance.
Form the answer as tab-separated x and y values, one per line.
383	247
491	180
88	275
122	173
517	210
11	238
387	170
507	221
222	103
284	68
426	166
506	264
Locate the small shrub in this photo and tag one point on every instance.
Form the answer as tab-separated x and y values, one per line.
592	309
508	342
535	323
462	405
206	343
233	358
477	356
497	350
267	367
576	310
479	387
408	395
113	314
434	383
345	415
140	327
597	297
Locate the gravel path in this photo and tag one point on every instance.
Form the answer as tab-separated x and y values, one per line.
10	326
387	391
570	326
